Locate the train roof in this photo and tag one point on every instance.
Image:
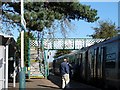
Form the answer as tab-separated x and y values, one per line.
65	55
110	40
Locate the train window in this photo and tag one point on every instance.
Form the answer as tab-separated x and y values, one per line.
110	60
110	64
92	63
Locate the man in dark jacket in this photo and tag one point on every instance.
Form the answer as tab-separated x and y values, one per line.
64	70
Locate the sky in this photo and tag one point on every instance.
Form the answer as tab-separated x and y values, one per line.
106	11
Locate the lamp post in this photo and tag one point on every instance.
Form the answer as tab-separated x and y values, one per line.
22	73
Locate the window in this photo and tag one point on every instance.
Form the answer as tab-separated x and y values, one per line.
110	60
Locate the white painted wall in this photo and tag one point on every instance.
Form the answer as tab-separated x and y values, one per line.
2	58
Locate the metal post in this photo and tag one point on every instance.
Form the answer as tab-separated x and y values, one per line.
74	43
14	73
42	51
38	46
48	63
64	43
44	57
22	73
29	58
22	37
85	42
45	63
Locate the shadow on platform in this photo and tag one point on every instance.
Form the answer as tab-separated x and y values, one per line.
55	79
49	86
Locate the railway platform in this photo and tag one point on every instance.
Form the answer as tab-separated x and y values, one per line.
52	83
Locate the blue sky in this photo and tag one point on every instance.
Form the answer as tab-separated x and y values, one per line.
106	11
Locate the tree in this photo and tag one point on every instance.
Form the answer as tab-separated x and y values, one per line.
10	18
105	29
40	15
61	52
26	43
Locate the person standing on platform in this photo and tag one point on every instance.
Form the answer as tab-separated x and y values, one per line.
64	70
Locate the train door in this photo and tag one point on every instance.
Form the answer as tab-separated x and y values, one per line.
96	62
103	53
99	63
54	62
86	65
91	61
81	65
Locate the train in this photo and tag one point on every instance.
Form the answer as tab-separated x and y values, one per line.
98	64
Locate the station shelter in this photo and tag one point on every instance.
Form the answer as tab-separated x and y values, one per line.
7	59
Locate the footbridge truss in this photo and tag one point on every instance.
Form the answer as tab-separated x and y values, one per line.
65	43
